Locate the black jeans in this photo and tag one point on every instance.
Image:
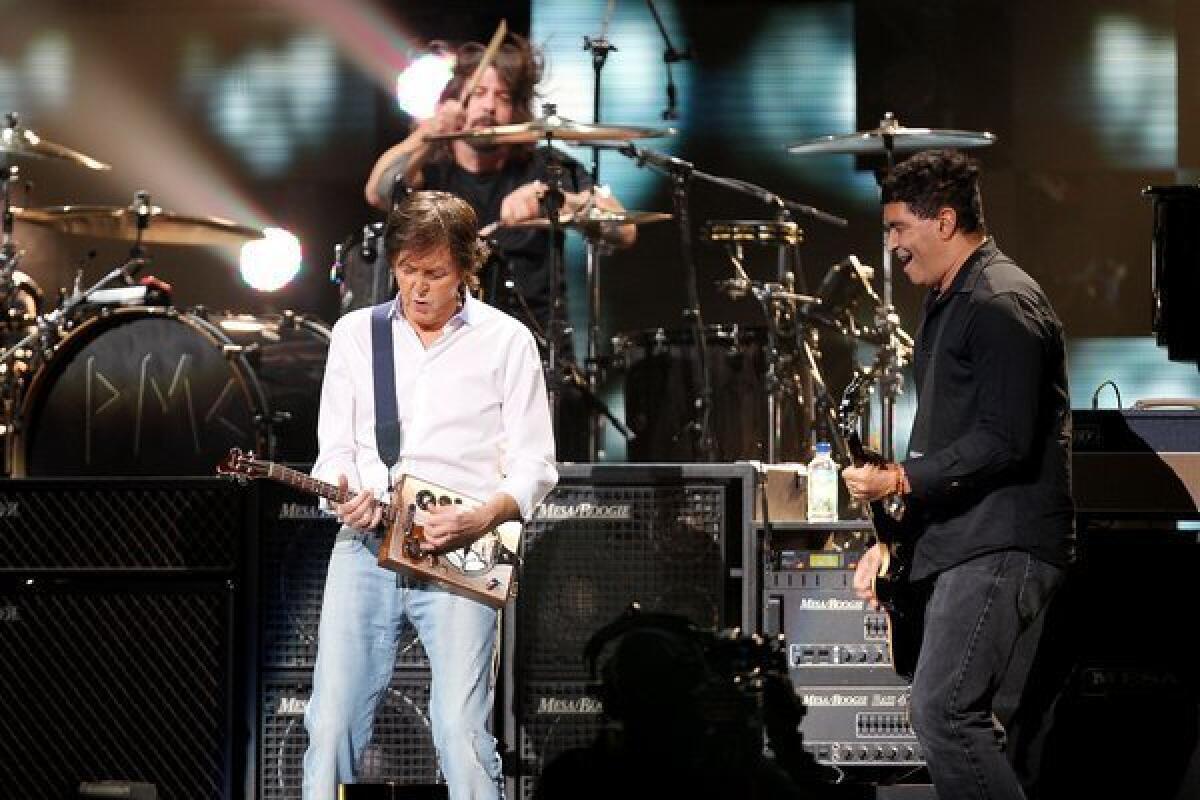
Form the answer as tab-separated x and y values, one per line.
977	615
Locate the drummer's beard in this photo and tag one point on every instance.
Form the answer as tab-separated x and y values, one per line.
485	121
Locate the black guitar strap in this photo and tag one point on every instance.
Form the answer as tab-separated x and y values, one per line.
383	367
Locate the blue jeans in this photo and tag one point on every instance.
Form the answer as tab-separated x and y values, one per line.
976	616
361	620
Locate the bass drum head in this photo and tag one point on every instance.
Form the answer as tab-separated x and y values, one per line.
155	391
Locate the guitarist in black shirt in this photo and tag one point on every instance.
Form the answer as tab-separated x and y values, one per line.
987	478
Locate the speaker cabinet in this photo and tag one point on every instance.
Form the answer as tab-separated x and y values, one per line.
671	537
107	680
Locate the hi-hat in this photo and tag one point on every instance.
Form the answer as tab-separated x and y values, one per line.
18	141
593	221
550	127
116	222
893	137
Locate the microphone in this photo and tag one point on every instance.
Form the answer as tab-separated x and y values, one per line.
646	156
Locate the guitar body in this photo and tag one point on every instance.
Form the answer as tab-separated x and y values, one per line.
486	571
902	600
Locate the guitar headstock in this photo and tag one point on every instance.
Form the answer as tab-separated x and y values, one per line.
855	398
242	466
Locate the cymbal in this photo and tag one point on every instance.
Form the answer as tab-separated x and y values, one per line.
17	141
116	222
592	221
891	135
551	127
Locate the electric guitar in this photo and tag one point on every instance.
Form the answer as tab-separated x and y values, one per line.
485	570
902	600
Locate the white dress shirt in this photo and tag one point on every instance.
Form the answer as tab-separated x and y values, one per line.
474	414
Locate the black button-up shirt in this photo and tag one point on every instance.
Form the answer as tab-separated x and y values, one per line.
990	460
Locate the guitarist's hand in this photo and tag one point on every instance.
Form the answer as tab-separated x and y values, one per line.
450	527
360	511
864	575
870	482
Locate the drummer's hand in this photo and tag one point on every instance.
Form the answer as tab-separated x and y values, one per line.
451	527
360	511
522	203
449	117
864	575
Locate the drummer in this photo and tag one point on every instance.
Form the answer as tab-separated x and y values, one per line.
503	183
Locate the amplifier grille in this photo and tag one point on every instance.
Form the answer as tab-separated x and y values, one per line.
105	682
120	525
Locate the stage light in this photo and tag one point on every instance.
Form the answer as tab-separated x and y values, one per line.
269	263
420	84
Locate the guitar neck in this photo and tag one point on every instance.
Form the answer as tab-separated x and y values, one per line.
311	485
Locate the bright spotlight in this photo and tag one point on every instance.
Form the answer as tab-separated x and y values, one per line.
421	83
269	263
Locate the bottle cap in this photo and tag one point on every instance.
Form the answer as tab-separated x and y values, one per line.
823	448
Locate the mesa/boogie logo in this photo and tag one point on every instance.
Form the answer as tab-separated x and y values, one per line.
302	511
584	510
10	508
569	705
291	706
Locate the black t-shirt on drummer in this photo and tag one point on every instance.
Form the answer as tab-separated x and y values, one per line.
523	254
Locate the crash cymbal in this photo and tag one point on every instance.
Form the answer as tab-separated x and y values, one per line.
114	222
593	220
551	127
18	141
894	137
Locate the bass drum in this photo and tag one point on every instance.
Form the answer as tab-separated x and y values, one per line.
662	388
159	391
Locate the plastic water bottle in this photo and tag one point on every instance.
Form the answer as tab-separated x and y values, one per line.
822	486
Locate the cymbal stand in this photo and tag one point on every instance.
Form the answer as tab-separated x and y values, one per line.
599	47
8	249
551	206
891	380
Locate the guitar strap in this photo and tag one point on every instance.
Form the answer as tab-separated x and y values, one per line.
383	368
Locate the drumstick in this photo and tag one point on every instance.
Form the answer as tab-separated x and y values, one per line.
489	54
486	61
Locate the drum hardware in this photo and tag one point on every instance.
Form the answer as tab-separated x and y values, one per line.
22	142
888	139
786	238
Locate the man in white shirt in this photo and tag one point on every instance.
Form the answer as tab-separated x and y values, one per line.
474	417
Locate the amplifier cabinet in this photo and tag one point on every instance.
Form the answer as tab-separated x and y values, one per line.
672	537
116	680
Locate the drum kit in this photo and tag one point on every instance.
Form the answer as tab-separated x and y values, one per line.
719	393
115	380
